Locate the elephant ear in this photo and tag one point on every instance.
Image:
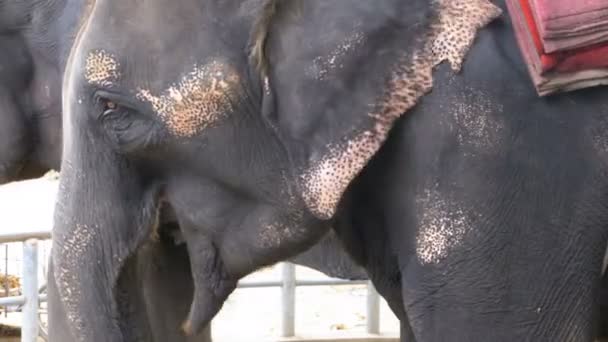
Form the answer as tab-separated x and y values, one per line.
338	74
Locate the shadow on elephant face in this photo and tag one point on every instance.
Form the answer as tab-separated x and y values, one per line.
14	131
30	119
248	118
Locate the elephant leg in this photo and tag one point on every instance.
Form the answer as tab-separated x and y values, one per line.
602	324
405	332
393	297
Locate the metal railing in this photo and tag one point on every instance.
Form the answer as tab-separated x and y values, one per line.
30	298
288	285
31	293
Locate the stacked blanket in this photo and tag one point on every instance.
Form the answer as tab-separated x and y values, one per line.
564	42
569	24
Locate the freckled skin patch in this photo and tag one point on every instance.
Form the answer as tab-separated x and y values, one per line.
286	229
323	65
442	224
459	21
199	100
599	133
71	251
101	68
283	228
325	181
476	125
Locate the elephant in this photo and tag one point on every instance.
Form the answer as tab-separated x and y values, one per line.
476	207
35	40
30	88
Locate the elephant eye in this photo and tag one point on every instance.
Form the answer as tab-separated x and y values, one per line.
109	105
111	110
125	126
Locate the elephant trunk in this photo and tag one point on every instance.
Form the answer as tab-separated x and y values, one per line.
99	223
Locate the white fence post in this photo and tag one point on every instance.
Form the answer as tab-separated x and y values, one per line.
288	300
29	329
373	309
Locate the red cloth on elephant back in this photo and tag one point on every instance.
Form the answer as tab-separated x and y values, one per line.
587	57
570	24
558	71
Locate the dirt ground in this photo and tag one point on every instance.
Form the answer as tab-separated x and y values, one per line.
247	315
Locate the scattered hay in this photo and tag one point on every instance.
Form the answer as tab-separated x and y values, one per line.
51	175
12	281
9	331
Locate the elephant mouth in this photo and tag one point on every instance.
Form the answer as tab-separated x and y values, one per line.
161	257
168	227
210	283
210	278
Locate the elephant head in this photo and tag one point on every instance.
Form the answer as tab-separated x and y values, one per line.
248	119
14	143
35	37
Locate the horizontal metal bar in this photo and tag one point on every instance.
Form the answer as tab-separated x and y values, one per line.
7	237
15	300
18	300
337	282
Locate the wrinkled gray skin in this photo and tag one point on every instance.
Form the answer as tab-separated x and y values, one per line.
481	218
236	212
35	37
157	285
34	48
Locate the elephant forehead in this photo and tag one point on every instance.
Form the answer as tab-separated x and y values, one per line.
201	98
101	68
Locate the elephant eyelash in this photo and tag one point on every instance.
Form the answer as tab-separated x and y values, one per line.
110	103
109	108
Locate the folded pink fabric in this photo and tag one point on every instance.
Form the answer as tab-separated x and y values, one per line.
547	81
570	24
570	43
